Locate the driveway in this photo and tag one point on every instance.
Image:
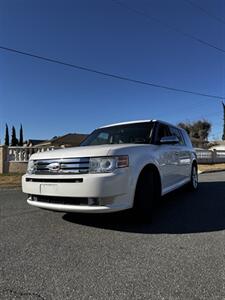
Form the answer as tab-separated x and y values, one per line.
49	255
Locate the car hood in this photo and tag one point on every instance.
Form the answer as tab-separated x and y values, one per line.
85	151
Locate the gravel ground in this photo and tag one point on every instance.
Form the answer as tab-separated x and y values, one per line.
49	255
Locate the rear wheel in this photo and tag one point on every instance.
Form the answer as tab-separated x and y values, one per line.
194	178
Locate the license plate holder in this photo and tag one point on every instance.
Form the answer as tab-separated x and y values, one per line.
49	189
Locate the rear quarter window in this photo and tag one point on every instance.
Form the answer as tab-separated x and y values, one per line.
186	138
177	132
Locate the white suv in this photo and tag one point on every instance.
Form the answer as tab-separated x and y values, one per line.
119	166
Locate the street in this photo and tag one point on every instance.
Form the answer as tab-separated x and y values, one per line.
52	255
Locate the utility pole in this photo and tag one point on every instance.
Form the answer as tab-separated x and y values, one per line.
223	137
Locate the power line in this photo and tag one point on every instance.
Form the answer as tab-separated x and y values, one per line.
203	115
115	76
203	10
168	26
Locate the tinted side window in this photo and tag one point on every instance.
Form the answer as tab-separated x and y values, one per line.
177	133
163	130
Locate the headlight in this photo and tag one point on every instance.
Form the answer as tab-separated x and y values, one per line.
107	164
30	167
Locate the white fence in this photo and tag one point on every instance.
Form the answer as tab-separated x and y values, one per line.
22	154
210	156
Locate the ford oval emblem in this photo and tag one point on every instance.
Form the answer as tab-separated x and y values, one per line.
54	166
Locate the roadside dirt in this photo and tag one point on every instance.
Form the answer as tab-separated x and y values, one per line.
211	168
10	180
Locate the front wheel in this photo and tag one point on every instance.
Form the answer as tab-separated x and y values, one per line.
194	178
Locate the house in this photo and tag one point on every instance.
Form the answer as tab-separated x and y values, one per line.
197	143
67	140
218	145
32	143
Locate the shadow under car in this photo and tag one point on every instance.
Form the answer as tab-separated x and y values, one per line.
178	212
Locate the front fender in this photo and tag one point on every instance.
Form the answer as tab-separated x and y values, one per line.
136	169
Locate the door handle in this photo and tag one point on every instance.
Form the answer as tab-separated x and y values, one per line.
177	153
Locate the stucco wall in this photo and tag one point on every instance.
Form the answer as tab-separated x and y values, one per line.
3	159
10	166
17	167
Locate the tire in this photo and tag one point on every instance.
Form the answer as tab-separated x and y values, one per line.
145	195
193	185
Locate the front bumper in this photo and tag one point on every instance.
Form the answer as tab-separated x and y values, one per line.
83	208
110	189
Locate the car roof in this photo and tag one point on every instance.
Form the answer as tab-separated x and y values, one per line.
128	122
137	121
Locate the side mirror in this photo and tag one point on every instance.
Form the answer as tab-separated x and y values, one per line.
169	140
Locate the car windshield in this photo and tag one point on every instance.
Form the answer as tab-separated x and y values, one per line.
135	133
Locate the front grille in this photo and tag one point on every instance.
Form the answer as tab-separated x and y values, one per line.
61	166
60	200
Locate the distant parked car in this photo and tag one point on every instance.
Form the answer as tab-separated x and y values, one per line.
118	167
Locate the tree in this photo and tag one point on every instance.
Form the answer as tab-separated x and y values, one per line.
223	137
14	140
21	135
201	129
6	135
198	130
186	126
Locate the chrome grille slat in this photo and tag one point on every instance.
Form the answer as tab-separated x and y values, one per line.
73	171
64	160
72	160
46	162
62	166
74	166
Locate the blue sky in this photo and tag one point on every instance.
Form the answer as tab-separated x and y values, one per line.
50	99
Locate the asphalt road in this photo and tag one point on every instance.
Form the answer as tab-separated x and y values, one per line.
49	255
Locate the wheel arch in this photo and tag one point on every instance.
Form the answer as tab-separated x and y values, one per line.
195	163
150	167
